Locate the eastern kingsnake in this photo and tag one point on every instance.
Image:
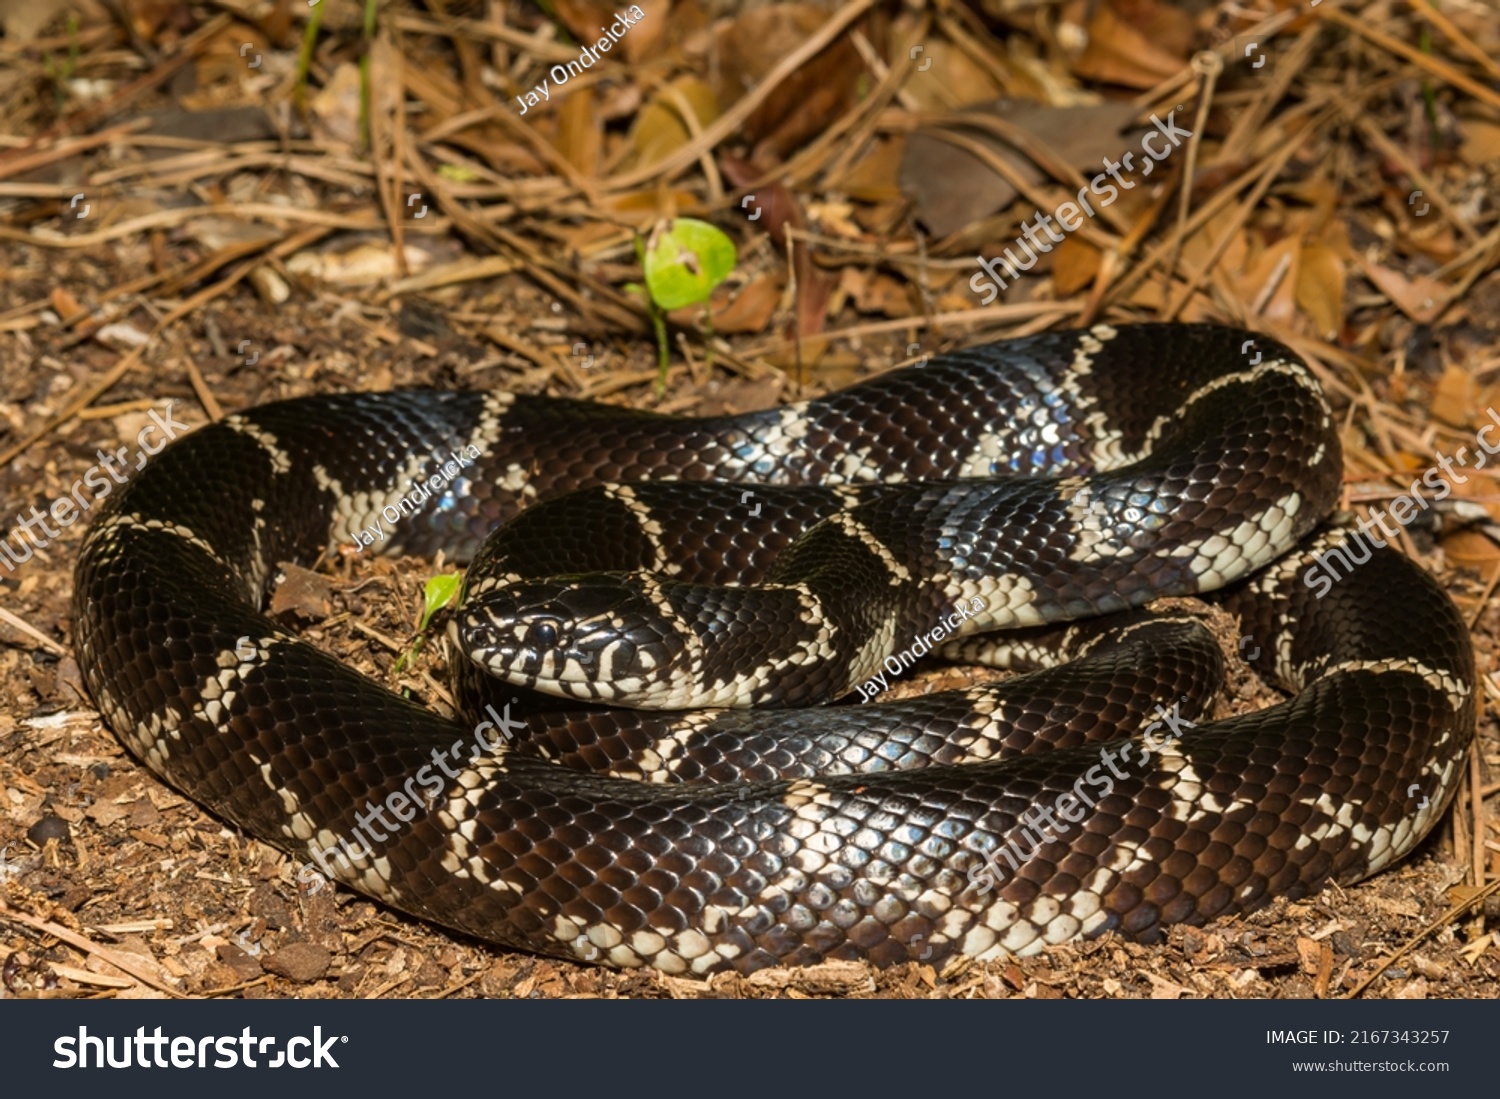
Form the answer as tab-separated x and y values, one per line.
1047	479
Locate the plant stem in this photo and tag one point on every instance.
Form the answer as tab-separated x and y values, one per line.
659	321
364	75
1429	95
304	57
708	327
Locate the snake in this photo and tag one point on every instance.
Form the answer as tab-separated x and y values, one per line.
684	627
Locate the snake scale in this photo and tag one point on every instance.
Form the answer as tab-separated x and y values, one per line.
769	566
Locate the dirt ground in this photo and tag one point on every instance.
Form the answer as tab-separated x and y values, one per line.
239	250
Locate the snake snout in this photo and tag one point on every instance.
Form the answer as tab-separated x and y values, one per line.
602	636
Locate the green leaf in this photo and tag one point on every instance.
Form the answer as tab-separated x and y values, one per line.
685	260
439	593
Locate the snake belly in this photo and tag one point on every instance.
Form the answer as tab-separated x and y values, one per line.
1053	478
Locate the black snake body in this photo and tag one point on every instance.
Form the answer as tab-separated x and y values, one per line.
1043	480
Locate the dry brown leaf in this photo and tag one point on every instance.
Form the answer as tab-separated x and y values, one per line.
1137	43
650	204
218	233
659	130
303	592
225	57
590	20
1489	398
954	188
955	299
885	295
1481	489
874	176
1197	248
23	19
1320	193
580	134
335	109
773	207
1471	549
1421	298
951	80
752	308
854	282
65	304
1320	289
1273	272
580	240
1453	398
1150	295
780	210
749	46
1076	263
1238	271
1335	235
1481	142
1163	989
815	287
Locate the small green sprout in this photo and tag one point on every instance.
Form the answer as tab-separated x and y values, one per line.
684	261
459	173
440	591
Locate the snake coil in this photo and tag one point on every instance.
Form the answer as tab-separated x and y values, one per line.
782	558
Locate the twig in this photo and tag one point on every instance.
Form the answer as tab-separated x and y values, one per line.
1434	67
731	121
25	627
165	218
1389	148
1476	811
1250	121
1051	311
89	117
1427	11
62	151
120	369
1216	250
88	946
1442	921
1207	65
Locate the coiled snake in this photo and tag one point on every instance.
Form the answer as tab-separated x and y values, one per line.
784	558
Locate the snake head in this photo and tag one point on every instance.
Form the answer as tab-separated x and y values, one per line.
607	637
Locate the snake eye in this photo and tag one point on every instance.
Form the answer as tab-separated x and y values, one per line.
543	633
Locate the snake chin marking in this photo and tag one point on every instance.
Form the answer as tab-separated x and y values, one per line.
771	563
